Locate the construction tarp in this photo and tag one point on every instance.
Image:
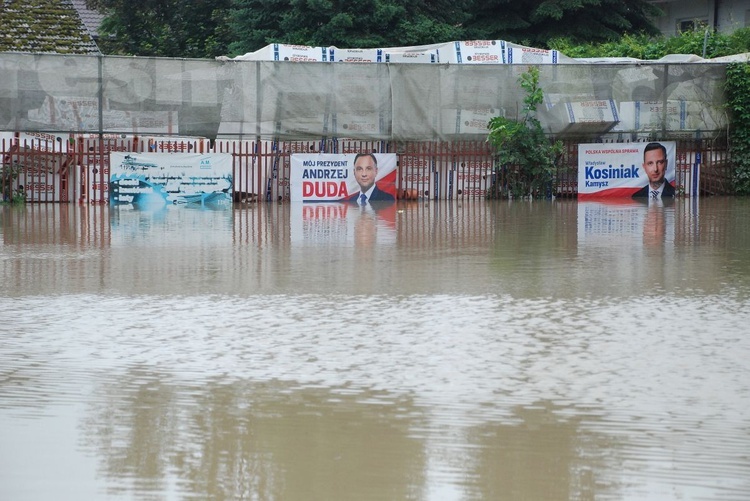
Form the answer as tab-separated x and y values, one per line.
434	92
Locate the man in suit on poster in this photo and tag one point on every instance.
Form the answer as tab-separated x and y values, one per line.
655	166
365	172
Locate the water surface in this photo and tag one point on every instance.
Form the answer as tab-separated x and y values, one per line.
431	351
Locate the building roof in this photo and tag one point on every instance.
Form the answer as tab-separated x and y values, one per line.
44	26
91	19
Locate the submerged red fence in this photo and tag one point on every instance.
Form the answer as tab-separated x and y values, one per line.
60	169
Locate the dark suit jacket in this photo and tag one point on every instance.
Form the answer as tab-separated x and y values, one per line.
644	192
377	195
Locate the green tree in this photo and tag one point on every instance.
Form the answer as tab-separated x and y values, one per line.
208	28
525	158
345	24
165	28
536	22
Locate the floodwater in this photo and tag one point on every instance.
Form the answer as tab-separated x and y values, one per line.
545	350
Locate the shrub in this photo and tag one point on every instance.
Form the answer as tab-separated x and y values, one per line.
525	158
738	89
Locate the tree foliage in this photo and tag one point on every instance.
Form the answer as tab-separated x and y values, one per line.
536	22
207	28
346	24
165	28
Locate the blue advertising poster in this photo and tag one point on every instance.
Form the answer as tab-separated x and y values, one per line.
155	180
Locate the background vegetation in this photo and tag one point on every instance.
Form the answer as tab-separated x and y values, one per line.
642	46
738	90
210	28
166	28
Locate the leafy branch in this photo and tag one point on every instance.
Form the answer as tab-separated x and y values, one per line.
525	158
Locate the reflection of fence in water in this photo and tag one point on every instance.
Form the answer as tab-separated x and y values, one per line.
461	170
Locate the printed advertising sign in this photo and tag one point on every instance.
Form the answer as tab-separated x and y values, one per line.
476	52
673	115
287	52
343	177
83	114
39	182
426	56
157	180
363	122
418	178
42	141
283	52
467	121
356	55
474	177
96	183
626	170
530	55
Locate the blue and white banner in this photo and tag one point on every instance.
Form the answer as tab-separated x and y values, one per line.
156	180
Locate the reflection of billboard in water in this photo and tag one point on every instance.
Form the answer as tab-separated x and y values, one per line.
160	179
646	228
326	224
609	224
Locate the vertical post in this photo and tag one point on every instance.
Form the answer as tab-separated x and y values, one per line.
100	152
665	101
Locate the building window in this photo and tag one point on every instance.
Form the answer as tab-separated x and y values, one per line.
687	25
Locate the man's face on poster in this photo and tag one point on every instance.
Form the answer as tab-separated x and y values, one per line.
655	166
365	172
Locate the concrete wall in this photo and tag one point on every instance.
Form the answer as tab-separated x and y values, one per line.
725	15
